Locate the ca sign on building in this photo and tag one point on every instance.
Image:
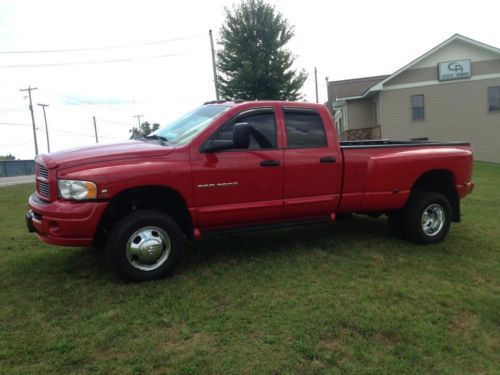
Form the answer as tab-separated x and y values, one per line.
451	93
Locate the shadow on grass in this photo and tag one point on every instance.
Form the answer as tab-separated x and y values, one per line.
90	263
346	237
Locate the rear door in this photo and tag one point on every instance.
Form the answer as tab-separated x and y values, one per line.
241	187
312	165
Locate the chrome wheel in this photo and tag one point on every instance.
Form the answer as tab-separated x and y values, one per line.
148	248
433	219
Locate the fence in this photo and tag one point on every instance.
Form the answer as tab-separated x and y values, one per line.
10	168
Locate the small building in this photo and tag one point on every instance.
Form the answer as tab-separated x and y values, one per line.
451	93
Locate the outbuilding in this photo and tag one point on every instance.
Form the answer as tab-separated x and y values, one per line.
451	93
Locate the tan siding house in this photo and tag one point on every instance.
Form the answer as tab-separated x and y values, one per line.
448	94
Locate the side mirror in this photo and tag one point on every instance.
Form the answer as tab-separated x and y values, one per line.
241	139
241	135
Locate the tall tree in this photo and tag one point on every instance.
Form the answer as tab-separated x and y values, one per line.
253	62
145	129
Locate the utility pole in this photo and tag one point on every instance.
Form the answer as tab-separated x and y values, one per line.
214	66
29	89
46	127
95	130
316	83
327	93
139	120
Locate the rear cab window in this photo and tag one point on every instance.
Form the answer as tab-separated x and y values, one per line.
304	128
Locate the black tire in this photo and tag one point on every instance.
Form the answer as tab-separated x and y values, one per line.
137	239
395	225
433	207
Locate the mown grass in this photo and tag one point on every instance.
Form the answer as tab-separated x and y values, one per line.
345	297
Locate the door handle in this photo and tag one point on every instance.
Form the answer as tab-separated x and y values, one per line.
328	159
269	163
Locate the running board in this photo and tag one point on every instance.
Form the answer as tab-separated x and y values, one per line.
261	227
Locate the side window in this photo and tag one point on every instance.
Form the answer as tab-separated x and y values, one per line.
494	99
304	129
262	130
417	108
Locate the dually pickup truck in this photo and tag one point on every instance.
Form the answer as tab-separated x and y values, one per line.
232	166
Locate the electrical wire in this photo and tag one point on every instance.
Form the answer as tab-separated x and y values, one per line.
79	134
18	145
48	65
13	124
104	47
72	98
113	122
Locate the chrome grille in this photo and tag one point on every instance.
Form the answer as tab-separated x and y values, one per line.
43	171
43	188
42	181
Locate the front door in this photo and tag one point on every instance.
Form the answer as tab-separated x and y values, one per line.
240	187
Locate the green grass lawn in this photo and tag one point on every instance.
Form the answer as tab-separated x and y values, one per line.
345	297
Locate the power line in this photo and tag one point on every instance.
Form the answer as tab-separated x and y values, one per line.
80	134
47	65
8	110
72	133
13	124
72	98
104	47
18	145
115	122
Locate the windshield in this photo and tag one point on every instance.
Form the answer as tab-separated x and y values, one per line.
188	126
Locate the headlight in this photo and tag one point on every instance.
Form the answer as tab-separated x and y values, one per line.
79	190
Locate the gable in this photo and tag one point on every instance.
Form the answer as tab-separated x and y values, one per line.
456	50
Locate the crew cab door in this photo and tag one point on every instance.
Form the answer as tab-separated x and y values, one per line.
240	187
313	164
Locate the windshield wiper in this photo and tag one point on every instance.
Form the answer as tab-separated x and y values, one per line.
160	138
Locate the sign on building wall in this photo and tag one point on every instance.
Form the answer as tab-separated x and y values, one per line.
458	69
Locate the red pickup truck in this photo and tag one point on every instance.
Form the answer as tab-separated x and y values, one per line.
231	166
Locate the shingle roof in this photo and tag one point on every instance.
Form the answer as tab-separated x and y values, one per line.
353	87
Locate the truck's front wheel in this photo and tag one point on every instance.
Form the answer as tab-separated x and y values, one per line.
144	245
426	217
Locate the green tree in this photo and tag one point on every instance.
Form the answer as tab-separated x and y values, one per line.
144	130
253	62
7	157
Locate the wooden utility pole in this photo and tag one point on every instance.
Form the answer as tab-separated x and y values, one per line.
46	127
29	89
214	67
327	93
95	130
139	120
316	83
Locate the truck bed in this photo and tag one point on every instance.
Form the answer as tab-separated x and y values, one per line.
380	174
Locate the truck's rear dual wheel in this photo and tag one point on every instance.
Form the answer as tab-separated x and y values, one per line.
144	245
426	218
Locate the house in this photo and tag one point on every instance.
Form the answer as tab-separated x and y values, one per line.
451	93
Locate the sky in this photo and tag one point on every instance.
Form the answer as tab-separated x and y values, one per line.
159	64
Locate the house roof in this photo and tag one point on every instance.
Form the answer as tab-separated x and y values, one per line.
354	87
350	89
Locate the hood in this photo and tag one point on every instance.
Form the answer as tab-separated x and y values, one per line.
102	153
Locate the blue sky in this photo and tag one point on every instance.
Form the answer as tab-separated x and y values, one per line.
342	39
